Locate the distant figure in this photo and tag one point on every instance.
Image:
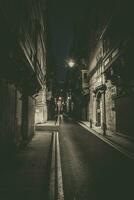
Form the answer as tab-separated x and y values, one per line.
56	118
61	117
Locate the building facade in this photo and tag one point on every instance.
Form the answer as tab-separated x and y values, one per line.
110	76
22	71
77	90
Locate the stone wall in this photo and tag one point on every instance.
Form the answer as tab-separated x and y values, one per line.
110	108
41	107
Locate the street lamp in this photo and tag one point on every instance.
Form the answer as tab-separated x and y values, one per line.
71	63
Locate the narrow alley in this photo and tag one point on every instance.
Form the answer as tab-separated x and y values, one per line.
66	100
91	168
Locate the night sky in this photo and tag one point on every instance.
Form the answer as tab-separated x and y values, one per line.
67	16
63	15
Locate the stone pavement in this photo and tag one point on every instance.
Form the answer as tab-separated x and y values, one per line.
27	178
123	144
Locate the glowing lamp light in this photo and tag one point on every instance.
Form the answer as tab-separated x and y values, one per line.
71	63
60	98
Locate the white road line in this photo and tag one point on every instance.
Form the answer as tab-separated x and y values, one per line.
115	146
52	172
60	195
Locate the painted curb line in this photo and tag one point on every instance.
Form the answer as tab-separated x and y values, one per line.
56	182
60	193
52	171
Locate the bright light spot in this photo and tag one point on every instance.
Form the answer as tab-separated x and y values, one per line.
71	63
60	98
